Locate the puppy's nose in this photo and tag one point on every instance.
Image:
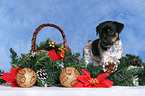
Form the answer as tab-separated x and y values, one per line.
105	41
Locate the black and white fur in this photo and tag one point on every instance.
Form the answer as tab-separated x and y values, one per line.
108	47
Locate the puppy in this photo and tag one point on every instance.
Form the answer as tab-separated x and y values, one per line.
108	48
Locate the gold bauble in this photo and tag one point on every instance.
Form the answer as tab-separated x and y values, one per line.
26	78
68	77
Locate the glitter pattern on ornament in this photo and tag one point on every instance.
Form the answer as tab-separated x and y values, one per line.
26	78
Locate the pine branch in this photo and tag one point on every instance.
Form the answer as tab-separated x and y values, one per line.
13	56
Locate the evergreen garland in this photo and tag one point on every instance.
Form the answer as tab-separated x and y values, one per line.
124	75
47	46
127	73
13	56
37	61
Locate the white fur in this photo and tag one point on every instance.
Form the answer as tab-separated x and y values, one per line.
112	54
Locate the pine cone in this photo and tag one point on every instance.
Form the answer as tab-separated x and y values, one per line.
42	75
1	72
135	62
109	67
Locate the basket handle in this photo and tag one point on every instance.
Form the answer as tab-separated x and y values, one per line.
33	47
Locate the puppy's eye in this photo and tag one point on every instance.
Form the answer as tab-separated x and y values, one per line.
111	32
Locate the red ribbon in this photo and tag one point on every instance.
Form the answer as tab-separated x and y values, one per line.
52	54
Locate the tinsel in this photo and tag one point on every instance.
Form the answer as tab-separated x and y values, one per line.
130	71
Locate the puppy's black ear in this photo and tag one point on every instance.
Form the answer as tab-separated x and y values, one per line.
119	26
98	28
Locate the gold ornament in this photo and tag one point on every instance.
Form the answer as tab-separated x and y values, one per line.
26	78
61	49
52	44
68	77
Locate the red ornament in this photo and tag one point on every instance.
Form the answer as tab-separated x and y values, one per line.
61	55
87	81
77	60
10	77
68	48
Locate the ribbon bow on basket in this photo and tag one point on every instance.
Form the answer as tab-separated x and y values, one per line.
51	53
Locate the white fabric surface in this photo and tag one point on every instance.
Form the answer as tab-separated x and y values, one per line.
62	91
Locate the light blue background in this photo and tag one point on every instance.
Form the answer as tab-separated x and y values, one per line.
78	19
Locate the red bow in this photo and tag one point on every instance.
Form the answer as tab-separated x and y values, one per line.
52	54
10	77
87	81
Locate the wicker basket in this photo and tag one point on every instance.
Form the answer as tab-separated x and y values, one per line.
33	47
